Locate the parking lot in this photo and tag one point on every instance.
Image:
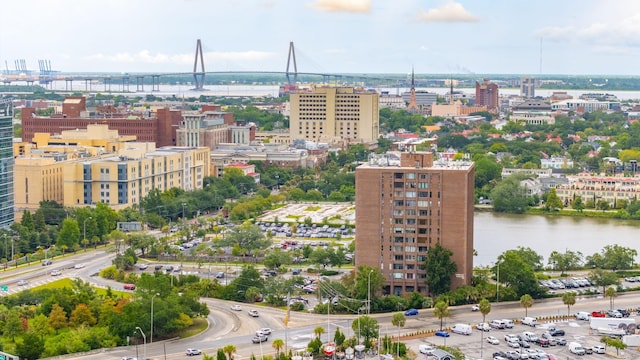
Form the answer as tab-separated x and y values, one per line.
575	331
334	213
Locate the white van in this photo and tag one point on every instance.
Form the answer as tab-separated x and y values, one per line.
583	315
508	324
463	329
576	348
497	324
531	321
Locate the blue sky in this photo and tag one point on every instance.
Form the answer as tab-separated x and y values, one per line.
333	36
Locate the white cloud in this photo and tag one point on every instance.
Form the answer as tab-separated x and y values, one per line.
610	37
353	6
449	12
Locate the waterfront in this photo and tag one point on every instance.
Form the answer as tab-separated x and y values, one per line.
495	233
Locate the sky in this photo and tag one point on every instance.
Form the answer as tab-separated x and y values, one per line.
574	37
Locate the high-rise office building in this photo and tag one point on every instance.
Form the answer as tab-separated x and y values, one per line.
527	87
6	166
487	95
407	204
335	114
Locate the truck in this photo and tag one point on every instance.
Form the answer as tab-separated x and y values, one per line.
613	326
576	348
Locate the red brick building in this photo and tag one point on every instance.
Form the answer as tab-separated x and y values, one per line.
159	127
487	95
406	205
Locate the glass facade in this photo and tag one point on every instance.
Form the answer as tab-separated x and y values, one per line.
6	168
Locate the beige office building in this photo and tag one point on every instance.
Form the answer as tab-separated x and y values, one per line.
84	167
335	115
405	204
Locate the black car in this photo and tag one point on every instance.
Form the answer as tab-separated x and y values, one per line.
500	353
556	332
624	312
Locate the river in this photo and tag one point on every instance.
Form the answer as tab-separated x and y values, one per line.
495	233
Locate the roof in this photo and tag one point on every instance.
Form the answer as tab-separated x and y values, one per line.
72	101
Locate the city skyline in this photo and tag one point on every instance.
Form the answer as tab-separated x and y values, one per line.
331	36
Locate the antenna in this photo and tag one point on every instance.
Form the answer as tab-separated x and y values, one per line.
541	56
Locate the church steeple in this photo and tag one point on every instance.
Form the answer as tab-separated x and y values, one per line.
413	106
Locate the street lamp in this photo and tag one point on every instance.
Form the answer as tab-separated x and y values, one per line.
84	236
183	219
151	336
145	341
498	282
369	292
277	181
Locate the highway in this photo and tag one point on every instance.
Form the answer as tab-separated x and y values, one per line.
237	327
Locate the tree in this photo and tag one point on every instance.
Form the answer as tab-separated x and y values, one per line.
517	273
57	317
553	202
31	347
485	308
441	311
569	299
220	355
339	337
398	320
603	278
229	350
69	234
526	301
610	293
369	328
568	260
82	316
509	196
247	236
615	343
13	325
577	204
277	345
276	258
440	268
318	331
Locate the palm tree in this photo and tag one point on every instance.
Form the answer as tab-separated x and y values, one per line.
441	311
278	344
526	301
229	350
398	320
569	299
610	293
318	331
485	307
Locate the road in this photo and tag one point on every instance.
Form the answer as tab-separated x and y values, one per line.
237	327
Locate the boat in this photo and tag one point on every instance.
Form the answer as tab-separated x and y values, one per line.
329	349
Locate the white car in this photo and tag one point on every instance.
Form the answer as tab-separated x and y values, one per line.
191	352
510	337
483	327
56	272
236	308
598	349
475	307
23	282
79	266
513	344
265	331
493	340
254	313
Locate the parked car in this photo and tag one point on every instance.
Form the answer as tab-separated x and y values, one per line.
442	333
524	344
191	352
426	349
493	340
129	287
514	344
220	275
253	313
556	332
613	314
598	349
143	266
598	314
483	327
510	337
624	312
411	312
561	341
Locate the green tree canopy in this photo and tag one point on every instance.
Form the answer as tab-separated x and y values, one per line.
440	268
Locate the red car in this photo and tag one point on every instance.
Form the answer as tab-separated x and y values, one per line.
129	287
598	314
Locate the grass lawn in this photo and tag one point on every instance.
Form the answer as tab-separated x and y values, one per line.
199	325
67	283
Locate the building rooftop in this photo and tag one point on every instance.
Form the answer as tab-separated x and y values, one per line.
393	159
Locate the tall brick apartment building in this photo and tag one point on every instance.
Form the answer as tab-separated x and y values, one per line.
405	204
159	127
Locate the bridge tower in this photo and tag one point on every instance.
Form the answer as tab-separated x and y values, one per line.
198	76
292	54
